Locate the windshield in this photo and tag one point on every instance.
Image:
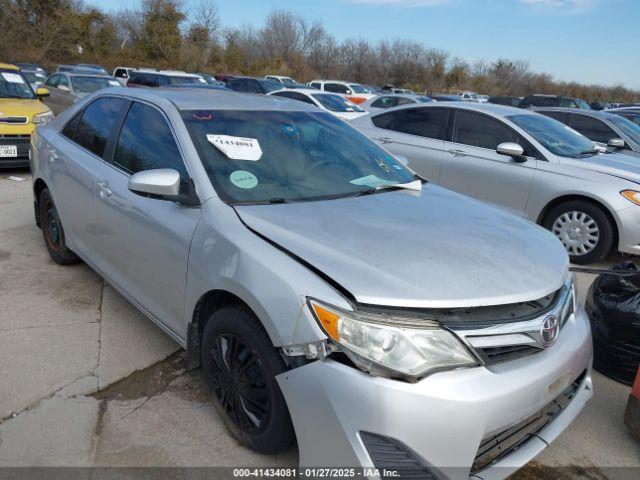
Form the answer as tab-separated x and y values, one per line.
301	156
555	136
13	85
33	77
357	88
270	85
288	80
91	84
336	103
627	126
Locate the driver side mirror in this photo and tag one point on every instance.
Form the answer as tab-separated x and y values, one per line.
42	92
512	150
616	143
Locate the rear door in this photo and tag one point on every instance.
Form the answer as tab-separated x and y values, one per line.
72	162
415	133
146	240
472	166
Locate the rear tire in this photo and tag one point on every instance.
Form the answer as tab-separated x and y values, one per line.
240	365
53	232
584	229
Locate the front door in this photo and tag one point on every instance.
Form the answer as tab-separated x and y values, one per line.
472	166
146	240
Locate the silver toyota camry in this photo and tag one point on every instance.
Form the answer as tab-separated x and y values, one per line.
522	161
331	296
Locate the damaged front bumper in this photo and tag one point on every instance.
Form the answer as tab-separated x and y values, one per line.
341	414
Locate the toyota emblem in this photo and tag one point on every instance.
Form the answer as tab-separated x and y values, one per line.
549	330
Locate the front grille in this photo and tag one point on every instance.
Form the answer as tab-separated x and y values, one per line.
494	355
387	453
21	141
498	446
14	120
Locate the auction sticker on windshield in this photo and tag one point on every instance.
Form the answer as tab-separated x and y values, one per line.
243	179
237	148
12	77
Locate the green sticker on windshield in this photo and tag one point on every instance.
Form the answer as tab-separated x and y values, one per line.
243	179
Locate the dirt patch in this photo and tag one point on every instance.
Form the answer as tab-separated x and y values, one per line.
147	382
537	471
4	254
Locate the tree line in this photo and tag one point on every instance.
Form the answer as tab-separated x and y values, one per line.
176	35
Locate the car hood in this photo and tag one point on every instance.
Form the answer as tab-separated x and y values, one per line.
428	249
10	107
616	164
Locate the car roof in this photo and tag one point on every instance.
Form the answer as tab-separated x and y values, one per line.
209	99
581	111
83	74
8	66
490	108
310	91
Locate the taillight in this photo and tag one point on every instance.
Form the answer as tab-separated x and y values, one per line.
356	100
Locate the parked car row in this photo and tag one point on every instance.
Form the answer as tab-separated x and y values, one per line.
308	270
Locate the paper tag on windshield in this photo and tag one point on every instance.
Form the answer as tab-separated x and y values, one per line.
12	77
237	148
371	181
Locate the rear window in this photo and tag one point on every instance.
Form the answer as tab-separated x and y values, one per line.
424	122
97	123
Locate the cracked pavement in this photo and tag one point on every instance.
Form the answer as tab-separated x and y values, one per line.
89	381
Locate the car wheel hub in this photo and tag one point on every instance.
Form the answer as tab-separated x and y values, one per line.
239	384
578	232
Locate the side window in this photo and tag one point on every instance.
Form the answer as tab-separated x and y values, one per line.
336	88
404	101
70	128
254	87
146	142
385	102
121	73
592	128
425	122
302	98
560	116
52	81
63	80
481	131
316	85
98	122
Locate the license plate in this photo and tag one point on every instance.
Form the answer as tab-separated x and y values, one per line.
8	151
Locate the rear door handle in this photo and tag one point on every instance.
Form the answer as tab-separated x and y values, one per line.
105	191
458	153
384	140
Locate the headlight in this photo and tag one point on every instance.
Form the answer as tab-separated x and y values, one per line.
384	345
42	118
631	195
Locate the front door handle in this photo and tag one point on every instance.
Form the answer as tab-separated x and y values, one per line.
458	153
105	191
384	140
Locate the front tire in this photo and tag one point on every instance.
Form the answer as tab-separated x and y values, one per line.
53	232
240	365
584	229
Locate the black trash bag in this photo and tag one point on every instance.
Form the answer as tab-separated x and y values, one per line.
613	306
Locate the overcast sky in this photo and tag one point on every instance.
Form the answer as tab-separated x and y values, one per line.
589	41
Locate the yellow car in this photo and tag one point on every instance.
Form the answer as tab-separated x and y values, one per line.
20	112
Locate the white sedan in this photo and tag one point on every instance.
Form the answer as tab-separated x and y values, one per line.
330	102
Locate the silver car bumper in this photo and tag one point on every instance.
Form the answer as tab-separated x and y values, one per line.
628	221
442	419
